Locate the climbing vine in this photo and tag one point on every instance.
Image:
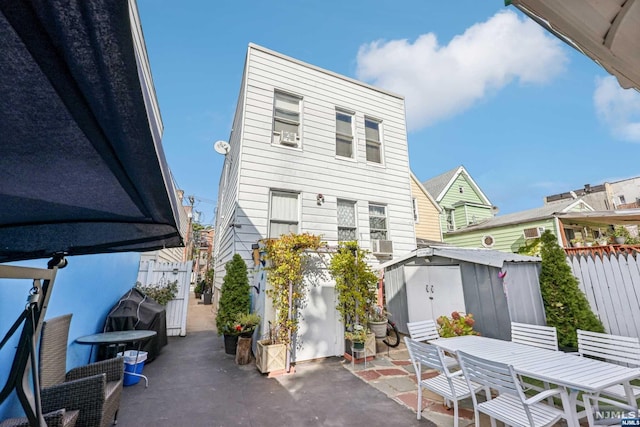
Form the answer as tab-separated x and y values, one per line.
289	261
355	283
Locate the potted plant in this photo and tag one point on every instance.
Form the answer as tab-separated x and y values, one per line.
198	289
620	234
271	355
577	242
246	324
457	325
234	300
378	321
357	336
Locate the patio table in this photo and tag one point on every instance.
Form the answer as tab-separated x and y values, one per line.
555	367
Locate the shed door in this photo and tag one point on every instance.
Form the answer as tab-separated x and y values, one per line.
433	291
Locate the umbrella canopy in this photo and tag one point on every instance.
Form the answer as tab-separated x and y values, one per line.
607	31
82	169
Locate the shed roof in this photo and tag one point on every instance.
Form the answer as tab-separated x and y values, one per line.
488	257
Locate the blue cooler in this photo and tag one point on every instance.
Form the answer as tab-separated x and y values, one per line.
133	363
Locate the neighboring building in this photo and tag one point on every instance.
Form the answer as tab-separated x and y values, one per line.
313	151
461	199
426	214
623	194
512	231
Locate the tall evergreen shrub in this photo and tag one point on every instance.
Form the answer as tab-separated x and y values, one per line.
565	305
234	295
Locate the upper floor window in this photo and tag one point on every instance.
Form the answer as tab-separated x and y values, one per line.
286	120
374	143
450	223
415	210
378	222
344	134
347	221
283	214
622	200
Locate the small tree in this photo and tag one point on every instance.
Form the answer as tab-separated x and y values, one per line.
355	283
565	305
234	295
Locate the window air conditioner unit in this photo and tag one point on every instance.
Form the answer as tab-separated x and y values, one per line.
533	233
382	247
289	138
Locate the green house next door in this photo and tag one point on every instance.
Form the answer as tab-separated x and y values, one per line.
433	291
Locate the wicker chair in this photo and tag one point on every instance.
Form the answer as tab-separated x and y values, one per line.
59	418
93	389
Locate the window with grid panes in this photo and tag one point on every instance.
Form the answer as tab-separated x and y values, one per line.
378	222
283	214
344	134
374	144
286	119
347	221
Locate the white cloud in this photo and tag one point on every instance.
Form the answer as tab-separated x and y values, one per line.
618	108
441	81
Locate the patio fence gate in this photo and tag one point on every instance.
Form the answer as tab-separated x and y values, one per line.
152	272
612	286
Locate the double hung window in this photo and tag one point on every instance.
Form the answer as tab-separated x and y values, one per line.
344	134
347	230
374	143
378	222
283	213
286	119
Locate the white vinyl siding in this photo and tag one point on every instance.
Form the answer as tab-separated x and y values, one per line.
283	214
378	221
344	134
374	143
347	230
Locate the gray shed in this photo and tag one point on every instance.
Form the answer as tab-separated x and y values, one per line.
497	287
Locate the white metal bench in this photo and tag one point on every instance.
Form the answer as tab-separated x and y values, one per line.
535	335
425	331
450	385
612	348
511	406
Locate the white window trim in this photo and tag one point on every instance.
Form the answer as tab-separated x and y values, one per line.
380	141
355	216
298	208
275	135
354	139
386	220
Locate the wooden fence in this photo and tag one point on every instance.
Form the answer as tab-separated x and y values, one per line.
612	286
152	272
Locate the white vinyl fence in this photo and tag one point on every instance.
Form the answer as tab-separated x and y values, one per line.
612	286
153	273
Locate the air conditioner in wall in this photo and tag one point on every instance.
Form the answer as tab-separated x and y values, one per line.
289	138
382	247
533	233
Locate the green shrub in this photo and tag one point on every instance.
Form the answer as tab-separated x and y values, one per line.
234	295
565	305
456	325
161	294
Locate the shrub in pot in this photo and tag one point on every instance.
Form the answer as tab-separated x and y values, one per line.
234	299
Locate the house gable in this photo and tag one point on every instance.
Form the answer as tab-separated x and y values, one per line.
427	224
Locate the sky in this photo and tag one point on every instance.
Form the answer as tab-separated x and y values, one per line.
484	87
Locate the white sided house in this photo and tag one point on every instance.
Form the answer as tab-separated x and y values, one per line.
312	151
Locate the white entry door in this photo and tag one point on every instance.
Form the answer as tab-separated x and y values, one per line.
320	329
433	291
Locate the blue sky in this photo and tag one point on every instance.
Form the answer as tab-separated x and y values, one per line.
485	87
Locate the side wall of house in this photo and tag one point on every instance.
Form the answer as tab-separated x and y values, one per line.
508	238
428	224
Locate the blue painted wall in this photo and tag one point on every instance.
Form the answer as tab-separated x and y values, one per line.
88	287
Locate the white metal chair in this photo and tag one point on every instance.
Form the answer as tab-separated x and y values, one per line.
450	385
596	418
613	348
425	331
511	406
535	335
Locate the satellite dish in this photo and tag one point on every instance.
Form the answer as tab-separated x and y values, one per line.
221	147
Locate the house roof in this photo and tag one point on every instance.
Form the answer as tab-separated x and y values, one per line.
439	185
606	31
621	217
82	169
542	212
488	257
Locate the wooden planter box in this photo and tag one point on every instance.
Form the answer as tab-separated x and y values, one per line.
270	357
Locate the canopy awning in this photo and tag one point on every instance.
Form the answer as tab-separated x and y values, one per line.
607	31
82	170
